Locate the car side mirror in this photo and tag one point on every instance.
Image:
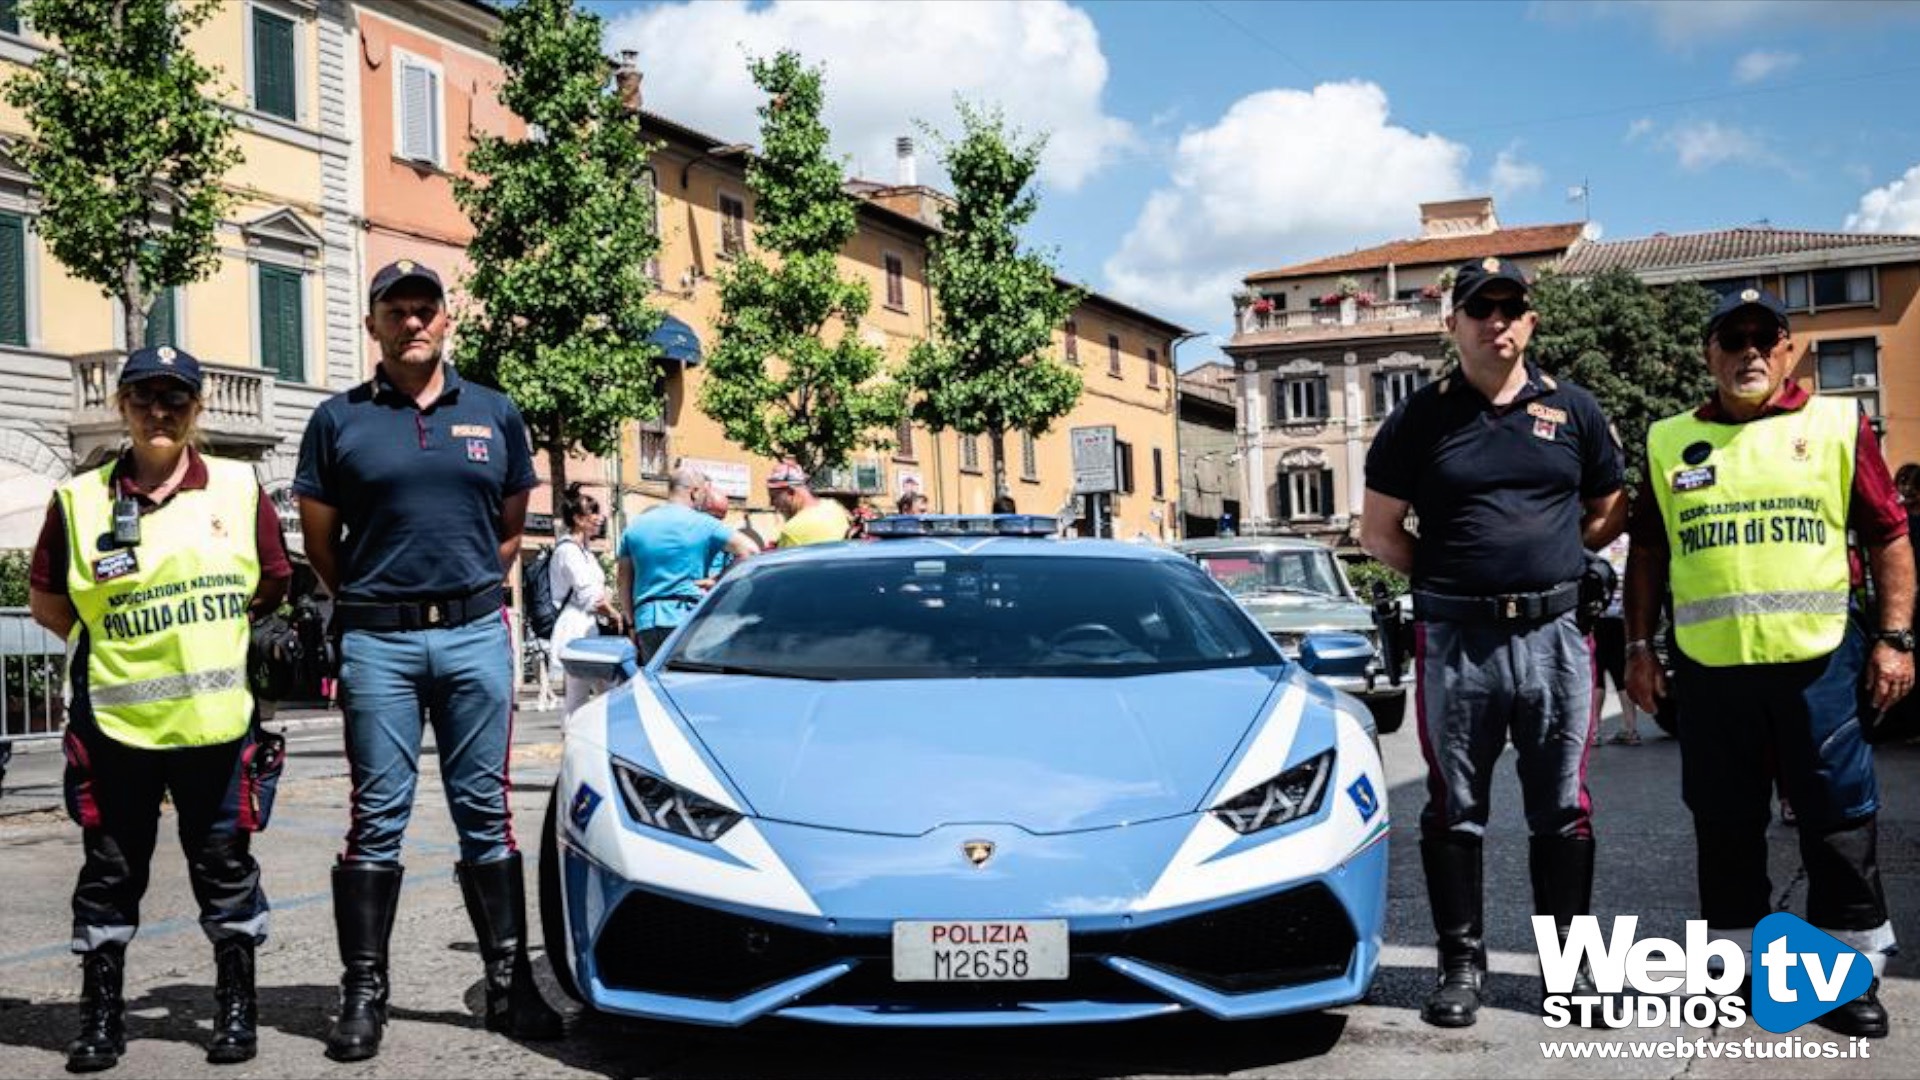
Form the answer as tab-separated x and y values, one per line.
1335	652
602	660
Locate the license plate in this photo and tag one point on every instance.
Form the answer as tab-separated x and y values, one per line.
980	951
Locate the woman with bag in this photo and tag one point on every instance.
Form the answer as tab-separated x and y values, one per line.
152	567
579	583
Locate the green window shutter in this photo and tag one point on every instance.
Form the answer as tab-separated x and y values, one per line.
273	87
282	337
10	16
13	280
160	320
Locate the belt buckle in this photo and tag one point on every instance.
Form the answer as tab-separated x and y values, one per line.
1510	606
434	613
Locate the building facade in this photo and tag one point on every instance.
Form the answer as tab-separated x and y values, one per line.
1210	454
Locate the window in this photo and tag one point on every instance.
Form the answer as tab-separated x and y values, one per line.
649	190
1113	355
418	102
1306	493
1830	288
653	449
1029	457
733	226
969	453
1849	364
1073	342
10	16
1153	367
896	281
1123	459
1390	388
163	320
282	322
13	279
903	439
275	76
1298	401
1159	483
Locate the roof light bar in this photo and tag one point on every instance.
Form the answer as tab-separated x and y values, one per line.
906	525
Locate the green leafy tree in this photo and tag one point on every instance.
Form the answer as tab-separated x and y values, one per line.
558	314
789	375
127	146
988	367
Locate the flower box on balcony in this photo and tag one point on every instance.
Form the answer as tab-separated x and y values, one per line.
1263	306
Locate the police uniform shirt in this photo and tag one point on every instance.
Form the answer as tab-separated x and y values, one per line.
1499	490
420	490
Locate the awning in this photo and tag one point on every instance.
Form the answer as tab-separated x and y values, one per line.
677	342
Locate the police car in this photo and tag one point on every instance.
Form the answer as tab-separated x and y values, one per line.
967	775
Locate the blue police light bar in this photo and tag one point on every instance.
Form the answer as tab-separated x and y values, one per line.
906	525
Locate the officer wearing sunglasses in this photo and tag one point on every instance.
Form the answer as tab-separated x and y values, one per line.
1745	517
1514	476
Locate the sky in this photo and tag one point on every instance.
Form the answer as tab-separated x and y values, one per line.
1192	142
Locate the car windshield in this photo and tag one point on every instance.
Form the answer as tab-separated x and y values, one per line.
968	616
1255	573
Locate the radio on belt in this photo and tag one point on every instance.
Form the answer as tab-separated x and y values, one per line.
126	521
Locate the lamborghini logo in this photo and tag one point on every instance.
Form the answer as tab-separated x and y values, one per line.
977	851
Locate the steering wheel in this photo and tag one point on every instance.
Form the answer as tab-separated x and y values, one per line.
1090	632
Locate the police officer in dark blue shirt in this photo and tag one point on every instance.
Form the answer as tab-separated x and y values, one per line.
413	494
1512	475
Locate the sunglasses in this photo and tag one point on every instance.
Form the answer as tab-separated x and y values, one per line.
1479	307
1736	339
144	397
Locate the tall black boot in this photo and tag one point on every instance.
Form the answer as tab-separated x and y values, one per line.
103	1010
496	894
1452	862
1562	870
236	1035
365	897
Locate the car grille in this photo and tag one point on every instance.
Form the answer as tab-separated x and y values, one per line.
660	945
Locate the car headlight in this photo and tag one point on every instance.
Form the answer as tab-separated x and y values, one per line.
1292	795
656	803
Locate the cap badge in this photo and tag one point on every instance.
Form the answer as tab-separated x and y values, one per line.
1490	265
1750	296
165	353
405	265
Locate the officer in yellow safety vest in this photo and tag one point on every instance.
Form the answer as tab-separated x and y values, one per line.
151	567
1745	517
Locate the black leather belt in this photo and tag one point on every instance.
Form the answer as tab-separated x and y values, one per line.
1530	607
420	614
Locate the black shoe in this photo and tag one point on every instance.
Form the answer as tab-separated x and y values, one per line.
1562	871
1864	1016
365	897
1452	864
103	1011
496	895
1455	999
236	1035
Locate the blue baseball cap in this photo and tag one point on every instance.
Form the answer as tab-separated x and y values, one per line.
162	362
403	271
1477	274
1742	300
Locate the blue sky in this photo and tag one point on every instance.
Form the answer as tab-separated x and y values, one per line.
1194	141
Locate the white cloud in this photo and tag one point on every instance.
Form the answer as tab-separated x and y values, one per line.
1894	208
1763	64
1510	175
1283	176
1639	127
888	65
1705	144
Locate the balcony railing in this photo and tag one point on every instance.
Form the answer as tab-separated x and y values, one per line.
236	406
1322	320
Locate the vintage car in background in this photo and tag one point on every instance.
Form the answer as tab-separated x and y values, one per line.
1295	587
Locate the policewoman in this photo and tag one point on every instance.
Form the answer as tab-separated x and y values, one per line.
413	496
1745	518
151	567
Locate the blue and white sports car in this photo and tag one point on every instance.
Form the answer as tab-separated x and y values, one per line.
965	776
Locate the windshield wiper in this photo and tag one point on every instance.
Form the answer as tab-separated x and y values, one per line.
1296	590
742	669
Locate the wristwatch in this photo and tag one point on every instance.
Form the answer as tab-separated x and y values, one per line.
1899	639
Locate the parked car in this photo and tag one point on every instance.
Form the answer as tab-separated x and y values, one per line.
966	775
1296	587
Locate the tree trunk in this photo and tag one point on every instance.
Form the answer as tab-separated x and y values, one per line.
997	439
557	469
133	306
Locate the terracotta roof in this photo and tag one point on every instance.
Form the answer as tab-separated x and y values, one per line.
1524	240
1722	245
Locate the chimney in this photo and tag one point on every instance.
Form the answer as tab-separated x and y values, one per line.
903	151
626	78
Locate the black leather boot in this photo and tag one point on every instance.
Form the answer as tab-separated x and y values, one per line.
1452	863
236	1035
1864	1016
365	897
103	1011
1562	869
496	895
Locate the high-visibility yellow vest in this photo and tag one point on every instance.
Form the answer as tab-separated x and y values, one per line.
165	621
1756	524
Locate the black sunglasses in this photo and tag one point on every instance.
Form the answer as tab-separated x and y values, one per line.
1736	339
1479	307
143	397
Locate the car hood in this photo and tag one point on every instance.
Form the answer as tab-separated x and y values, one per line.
904	757
1280	611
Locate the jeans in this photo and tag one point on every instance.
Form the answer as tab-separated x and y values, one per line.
392	682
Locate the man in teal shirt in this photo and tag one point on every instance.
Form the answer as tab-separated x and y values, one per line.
664	558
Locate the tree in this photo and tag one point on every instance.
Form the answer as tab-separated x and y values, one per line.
128	147
988	367
775	383
558	315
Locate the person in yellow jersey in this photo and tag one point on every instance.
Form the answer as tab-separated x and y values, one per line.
1745	517
810	519
152	567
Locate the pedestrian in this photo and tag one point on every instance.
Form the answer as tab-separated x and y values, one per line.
1907	483
580	582
1003	504
809	518
913	502
413	494
1744	517
1610	649
1514	475
153	567
715	504
667	554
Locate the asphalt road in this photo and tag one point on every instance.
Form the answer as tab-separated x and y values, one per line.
1645	868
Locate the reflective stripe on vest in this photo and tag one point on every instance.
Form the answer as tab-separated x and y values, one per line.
1755	516
165	621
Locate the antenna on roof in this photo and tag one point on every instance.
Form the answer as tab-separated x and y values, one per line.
1582	194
